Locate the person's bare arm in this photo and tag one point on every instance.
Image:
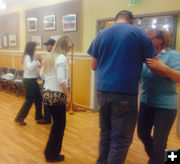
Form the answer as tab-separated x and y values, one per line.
157	66
93	63
66	92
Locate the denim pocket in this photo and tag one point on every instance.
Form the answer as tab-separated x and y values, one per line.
120	106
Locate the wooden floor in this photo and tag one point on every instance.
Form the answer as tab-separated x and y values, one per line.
25	145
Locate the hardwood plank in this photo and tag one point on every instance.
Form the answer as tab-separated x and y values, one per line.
25	145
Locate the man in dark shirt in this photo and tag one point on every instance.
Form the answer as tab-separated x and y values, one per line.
118	53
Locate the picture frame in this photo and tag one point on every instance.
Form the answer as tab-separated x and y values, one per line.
69	22
38	41
49	22
12	40
4	41
32	24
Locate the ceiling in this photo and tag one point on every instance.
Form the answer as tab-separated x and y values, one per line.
15	5
24	3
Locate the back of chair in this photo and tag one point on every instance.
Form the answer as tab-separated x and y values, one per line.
4	70
20	74
0	70
12	70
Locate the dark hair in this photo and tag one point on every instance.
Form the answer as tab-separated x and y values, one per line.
124	14
50	42
29	50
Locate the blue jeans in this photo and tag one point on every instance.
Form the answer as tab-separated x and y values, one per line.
162	120
117	117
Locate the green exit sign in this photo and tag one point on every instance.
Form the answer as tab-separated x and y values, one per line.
134	2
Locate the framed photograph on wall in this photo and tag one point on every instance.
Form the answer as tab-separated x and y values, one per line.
69	22
37	39
12	40
32	24
4	41
49	22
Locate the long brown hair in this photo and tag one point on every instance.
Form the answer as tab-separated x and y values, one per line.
29	50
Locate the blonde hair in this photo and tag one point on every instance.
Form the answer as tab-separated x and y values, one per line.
62	46
163	34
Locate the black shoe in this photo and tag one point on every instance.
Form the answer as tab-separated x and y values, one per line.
39	118
42	121
21	123
58	159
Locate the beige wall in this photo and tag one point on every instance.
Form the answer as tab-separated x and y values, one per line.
178	35
99	9
20	7
91	11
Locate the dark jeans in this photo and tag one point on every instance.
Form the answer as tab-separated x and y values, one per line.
47	113
162	120
32	95
54	144
118	114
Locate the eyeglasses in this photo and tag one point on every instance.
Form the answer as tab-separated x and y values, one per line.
158	36
154	38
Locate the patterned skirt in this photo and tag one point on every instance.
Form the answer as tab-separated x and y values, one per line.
53	97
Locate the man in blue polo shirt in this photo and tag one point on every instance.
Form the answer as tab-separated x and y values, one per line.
118	53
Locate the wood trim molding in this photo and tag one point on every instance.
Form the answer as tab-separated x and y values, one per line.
76	55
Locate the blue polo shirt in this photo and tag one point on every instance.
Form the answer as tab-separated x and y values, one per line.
158	91
120	51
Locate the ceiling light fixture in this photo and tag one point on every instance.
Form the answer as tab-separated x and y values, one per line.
3	5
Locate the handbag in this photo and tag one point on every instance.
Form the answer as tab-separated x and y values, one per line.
53	97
